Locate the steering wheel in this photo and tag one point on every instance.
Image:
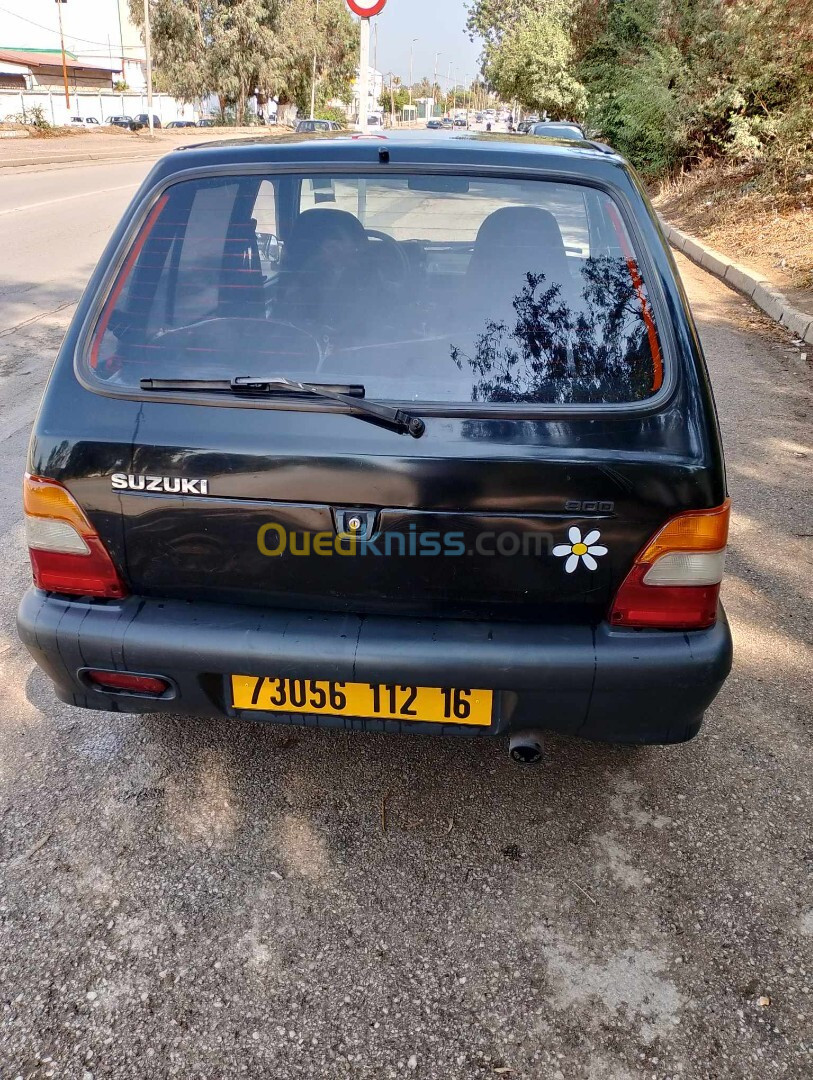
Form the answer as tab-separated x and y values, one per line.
393	248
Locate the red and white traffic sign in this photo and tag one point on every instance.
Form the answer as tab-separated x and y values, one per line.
366	8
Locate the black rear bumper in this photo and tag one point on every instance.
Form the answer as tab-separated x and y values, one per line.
599	683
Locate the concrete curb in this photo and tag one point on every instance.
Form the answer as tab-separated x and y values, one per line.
757	288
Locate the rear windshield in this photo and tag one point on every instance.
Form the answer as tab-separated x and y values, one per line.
428	288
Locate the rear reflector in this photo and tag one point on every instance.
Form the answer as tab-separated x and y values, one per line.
66	553
674	583
125	680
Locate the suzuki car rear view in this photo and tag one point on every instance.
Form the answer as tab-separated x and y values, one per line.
391	434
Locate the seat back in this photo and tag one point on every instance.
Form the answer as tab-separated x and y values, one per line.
511	243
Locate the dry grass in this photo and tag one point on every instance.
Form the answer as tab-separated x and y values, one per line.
723	206
34	132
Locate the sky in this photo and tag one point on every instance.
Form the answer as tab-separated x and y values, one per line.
439	26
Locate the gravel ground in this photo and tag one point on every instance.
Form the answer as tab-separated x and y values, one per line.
211	899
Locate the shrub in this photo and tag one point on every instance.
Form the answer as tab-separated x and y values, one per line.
328	112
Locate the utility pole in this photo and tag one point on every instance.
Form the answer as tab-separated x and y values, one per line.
366	10
148	58
364	76
59	4
411	55
313	71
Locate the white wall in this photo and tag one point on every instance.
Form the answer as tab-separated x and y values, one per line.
91	103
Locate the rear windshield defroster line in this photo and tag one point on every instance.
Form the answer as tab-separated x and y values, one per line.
122	277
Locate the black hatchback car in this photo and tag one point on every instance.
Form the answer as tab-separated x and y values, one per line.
387	433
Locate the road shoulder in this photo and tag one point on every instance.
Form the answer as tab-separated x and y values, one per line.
762	292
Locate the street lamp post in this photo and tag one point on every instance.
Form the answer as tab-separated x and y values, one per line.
411	55
313	70
148	60
435	81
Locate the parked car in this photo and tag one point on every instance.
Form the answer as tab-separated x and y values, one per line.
88	122
460	121
125	122
271	489
434	125
374	120
524	126
181	124
305	126
447	122
144	120
206	122
558	129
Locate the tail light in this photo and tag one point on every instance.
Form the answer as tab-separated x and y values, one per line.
66	553
674	583
127	682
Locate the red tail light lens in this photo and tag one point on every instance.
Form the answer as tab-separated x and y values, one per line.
124	680
674	583
67	555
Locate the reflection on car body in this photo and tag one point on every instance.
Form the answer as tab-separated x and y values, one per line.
556	129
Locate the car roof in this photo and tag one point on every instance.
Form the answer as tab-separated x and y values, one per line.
571	125
454	147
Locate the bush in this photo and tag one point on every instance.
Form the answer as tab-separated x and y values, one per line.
33	117
640	115
327	112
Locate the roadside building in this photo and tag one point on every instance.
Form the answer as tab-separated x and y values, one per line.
103	46
41	69
14	76
375	88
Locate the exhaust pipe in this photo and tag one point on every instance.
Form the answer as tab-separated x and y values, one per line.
525	748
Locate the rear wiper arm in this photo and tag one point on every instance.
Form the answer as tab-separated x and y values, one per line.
351	397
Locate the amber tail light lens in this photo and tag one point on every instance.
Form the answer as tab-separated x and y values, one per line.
67	555
674	583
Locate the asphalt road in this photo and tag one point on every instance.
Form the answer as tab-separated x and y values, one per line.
211	899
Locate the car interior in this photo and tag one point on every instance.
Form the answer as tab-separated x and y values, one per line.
422	288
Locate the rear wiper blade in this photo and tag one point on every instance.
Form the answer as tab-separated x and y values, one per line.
350	396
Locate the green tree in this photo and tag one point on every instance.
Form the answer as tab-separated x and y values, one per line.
243	45
240	48
533	63
399	98
332	35
667	82
492	19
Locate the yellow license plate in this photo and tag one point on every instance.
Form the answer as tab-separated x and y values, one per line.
378	701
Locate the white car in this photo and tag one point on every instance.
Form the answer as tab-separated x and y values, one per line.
86	122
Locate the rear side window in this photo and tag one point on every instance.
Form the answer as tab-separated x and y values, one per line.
422	288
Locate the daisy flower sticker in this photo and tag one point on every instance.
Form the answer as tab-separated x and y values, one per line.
580	549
